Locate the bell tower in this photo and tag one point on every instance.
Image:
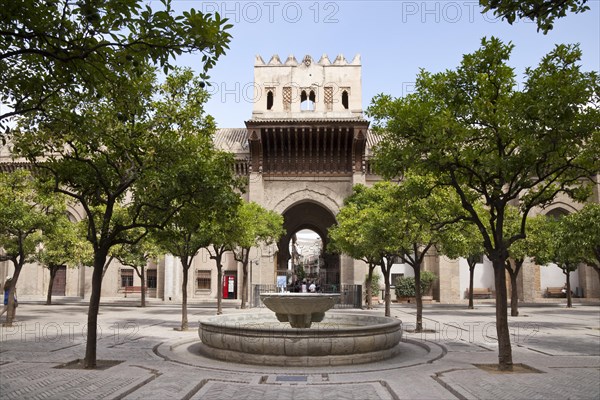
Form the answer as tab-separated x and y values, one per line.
307	118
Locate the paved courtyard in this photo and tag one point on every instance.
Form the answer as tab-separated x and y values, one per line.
559	350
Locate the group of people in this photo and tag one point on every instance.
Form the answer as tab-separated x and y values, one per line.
305	286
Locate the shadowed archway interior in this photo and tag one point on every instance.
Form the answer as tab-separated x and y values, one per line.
313	216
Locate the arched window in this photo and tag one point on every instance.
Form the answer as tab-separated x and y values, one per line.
307	101
269	100
345	99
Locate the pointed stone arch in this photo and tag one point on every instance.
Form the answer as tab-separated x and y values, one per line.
313	215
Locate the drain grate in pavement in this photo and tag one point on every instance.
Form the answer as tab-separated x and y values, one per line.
291	378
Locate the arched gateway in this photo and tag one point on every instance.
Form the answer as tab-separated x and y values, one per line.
315	217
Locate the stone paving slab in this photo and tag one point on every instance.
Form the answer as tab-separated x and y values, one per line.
159	361
220	390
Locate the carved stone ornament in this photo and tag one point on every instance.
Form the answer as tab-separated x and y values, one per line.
307	60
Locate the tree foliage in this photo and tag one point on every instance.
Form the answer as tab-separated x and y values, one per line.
56	48
137	255
427	216
254	225
27	208
558	247
63	245
474	131
535	245
198	221
130	157
365	230
580	235
542	12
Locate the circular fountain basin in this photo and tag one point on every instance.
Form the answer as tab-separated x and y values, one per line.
339	339
299	309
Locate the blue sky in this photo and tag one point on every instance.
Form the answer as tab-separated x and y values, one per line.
394	39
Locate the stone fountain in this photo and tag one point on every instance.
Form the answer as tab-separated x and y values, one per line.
301	333
299	309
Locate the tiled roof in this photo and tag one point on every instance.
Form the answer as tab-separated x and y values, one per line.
232	139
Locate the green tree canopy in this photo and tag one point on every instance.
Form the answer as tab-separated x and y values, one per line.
203	220
27	208
427	216
542	12
473	130
581	235
367	229
130	157
63	245
254	225
56	48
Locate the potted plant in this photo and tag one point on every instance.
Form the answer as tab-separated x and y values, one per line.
405	287
375	289
427	278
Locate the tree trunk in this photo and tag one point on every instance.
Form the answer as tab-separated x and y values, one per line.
94	307
369	288
220	282
245	256
471	277
184	316
569	297
514	289
418	297
504	347
12	311
514	296
143	285
53	270
388	298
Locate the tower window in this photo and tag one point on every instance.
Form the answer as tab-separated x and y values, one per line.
269	100
307	101
345	99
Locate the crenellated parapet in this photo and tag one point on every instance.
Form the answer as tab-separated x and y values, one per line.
307	88
307	60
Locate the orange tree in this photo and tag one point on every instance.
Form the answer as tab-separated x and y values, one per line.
474	131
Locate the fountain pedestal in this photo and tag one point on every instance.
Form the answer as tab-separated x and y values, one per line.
300	310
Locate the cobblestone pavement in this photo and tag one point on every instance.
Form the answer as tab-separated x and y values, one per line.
557	349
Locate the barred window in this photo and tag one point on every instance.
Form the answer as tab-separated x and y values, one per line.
329	98
203	280
287	98
126	277
151	279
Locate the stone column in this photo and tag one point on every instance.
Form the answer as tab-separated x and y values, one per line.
170	265
449	280
588	280
528	282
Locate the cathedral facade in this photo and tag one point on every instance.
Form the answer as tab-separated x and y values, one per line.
305	146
